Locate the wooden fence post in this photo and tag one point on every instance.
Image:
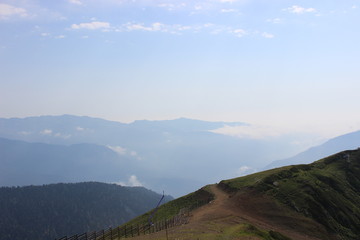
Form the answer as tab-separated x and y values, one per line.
166	230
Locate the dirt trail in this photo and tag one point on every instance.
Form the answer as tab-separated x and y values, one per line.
215	209
232	210
253	208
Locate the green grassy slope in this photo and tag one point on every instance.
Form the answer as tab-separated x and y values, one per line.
171	209
327	191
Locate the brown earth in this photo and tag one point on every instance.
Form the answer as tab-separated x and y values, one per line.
227	212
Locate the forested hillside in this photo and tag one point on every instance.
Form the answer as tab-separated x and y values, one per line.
52	211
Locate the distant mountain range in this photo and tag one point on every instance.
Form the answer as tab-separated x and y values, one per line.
332	146
177	156
53	211
23	163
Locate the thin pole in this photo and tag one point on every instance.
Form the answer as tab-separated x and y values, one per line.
166	230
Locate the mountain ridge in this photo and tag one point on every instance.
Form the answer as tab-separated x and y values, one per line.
24	163
158	153
315	201
332	146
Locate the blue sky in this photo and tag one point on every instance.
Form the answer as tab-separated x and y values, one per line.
283	66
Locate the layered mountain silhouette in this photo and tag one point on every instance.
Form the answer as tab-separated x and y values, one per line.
177	156
23	163
332	146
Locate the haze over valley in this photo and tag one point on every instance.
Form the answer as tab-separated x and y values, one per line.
118	106
175	156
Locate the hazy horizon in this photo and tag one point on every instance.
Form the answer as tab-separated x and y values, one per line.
284	67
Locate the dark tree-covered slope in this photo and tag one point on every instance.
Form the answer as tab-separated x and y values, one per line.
53	211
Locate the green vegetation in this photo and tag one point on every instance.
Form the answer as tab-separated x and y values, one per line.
249	180
57	210
173	208
248	230
218	231
326	191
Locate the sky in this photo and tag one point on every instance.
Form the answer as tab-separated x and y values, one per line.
282	66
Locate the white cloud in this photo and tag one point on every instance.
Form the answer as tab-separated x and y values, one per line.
179	29
228	10
250	131
133	153
46	132
299	10
80	129
49	132
198	7
76	2
267	35
138	26
91	25
123	151
228	1
7	11
244	170
182	28
133	181
274	20
239	32
60	37
172	6
119	150
169	6
157	27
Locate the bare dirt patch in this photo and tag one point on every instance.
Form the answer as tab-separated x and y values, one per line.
227	214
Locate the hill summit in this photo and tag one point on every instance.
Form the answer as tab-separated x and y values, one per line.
314	201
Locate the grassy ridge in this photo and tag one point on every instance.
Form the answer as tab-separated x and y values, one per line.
171	209
218	231
327	190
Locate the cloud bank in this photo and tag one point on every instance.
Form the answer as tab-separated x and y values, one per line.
91	25
133	181
7	11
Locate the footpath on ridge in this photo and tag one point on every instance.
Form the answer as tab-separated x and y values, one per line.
231	210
